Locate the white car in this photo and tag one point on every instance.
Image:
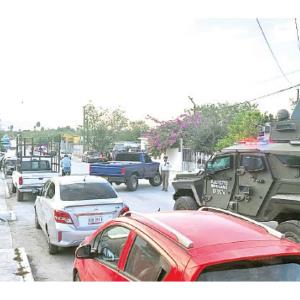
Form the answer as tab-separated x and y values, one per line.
70	208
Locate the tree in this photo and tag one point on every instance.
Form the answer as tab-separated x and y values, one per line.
215	120
244	125
103	127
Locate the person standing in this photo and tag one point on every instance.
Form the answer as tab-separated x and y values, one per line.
165	173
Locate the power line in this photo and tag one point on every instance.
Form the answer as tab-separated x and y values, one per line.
267	95
297	34
266	40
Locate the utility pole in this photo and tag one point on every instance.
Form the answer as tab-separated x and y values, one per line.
297	95
194	104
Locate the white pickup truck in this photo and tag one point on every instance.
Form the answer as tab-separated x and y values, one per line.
30	175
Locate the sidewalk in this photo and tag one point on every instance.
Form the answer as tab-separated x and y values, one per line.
14	265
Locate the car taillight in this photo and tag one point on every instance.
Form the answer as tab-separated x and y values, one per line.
62	217
124	210
20	180
123	171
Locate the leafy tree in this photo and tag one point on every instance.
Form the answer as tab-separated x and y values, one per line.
244	125
215	120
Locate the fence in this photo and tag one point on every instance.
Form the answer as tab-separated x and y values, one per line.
193	160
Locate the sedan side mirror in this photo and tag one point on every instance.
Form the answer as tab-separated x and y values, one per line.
37	192
84	251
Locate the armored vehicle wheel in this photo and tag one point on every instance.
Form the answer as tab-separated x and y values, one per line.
156	180
185	203
132	183
19	196
290	230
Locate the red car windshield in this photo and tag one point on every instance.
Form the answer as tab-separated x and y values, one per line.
274	269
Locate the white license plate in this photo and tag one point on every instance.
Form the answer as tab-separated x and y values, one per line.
94	220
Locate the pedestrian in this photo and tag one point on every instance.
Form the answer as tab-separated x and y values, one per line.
66	165
165	172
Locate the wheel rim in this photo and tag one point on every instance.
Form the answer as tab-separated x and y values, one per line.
134	182
156	179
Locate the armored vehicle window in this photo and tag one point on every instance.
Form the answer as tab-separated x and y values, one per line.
252	163
290	161
219	163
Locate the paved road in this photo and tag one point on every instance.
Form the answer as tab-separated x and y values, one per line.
47	267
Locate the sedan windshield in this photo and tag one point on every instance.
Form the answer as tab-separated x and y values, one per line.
86	191
274	269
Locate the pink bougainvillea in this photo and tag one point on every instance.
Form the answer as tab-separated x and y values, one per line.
167	133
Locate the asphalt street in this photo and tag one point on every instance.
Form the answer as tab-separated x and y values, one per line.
46	267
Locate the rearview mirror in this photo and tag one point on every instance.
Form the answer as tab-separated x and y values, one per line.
84	251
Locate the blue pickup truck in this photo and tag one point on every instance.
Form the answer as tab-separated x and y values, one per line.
128	168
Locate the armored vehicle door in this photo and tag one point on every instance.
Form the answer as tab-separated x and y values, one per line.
220	180
254	181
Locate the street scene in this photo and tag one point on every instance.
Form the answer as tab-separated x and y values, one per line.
145	143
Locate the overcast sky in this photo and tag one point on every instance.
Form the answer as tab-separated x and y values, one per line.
145	56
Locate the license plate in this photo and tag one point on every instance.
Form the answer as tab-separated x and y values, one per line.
94	220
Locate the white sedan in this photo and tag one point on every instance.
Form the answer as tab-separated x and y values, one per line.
70	208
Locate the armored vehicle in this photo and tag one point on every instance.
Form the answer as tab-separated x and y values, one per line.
257	178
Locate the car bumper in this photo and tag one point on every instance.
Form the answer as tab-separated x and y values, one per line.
30	189
69	238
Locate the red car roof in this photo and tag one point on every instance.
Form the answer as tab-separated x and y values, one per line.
209	228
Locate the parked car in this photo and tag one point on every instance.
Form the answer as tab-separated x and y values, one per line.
91	157
128	168
205	245
68	209
9	165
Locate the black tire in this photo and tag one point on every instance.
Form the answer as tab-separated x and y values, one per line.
186	203
36	221
290	230
13	189
156	180
132	183
76	277
19	196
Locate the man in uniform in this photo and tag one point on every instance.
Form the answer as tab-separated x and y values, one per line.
165	172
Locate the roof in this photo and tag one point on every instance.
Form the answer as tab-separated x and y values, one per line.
205	228
276	148
79	178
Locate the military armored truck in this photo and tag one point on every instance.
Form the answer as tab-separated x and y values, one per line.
259	178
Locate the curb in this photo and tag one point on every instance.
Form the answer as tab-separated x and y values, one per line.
24	266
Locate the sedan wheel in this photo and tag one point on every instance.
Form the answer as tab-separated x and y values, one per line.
77	278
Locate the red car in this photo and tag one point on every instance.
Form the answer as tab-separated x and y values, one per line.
205	245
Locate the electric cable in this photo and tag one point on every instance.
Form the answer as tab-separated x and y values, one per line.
272	53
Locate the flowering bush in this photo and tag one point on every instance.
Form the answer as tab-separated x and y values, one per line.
166	134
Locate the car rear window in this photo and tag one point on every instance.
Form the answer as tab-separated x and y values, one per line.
86	191
273	269
128	157
42	165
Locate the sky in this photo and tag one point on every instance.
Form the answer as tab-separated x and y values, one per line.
145	57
